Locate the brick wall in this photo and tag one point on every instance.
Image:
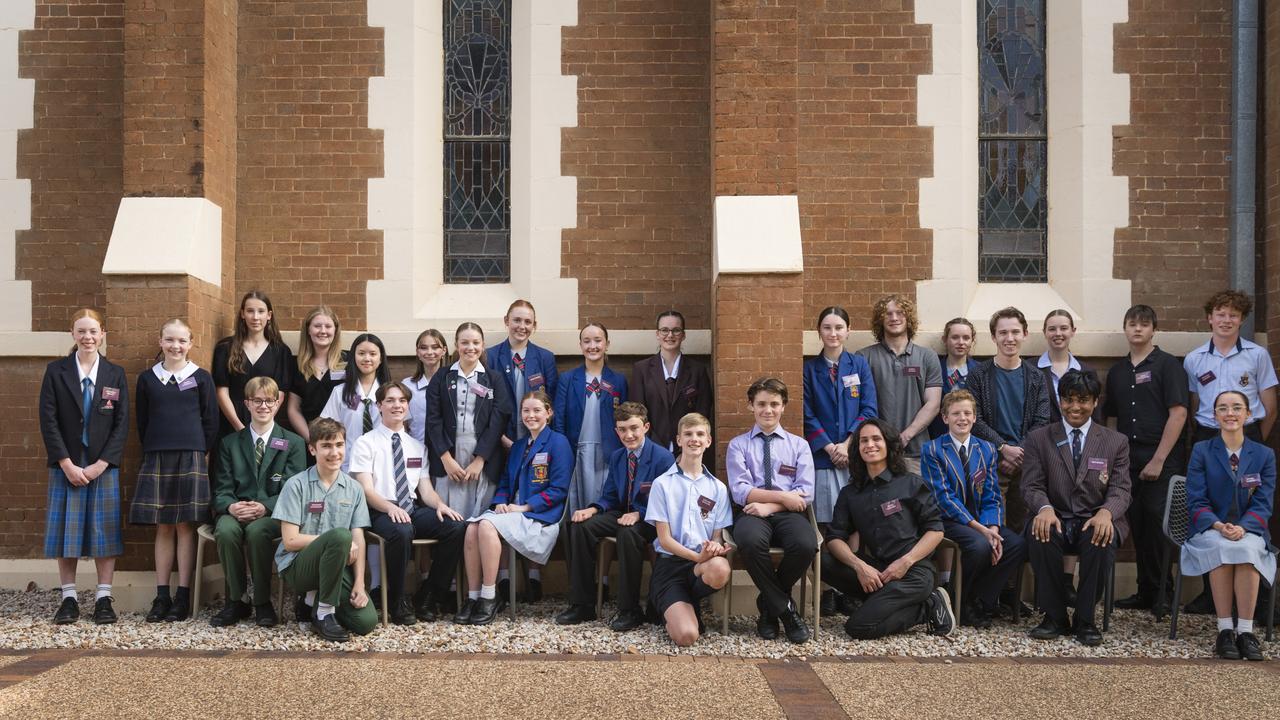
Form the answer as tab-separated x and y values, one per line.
640	153
861	155
23	459
1178	56
1269	175
73	155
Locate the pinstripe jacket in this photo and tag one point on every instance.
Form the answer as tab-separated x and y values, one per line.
956	494
1102	480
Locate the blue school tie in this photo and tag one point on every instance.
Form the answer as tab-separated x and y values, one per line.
768	462
403	499
86	403
1076	448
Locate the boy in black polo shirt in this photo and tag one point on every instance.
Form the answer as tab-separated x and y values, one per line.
1146	400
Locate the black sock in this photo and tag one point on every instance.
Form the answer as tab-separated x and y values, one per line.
1069	579
162	592
183	594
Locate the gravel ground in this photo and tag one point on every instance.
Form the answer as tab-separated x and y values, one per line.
25	622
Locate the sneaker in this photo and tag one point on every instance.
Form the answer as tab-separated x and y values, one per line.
232	613
103	613
938	614
68	612
159	608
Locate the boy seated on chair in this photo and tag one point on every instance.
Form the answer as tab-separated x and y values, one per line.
252	467
322	514
618	513
689	509
389	465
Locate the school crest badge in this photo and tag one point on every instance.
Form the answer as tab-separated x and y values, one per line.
540	473
1244	380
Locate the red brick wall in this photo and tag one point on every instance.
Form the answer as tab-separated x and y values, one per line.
1174	151
23	459
641	157
861	155
73	155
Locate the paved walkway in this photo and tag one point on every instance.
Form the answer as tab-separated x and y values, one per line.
190	684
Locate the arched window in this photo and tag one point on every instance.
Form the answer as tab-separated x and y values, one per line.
1013	142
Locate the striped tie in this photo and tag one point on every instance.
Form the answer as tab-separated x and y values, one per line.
631	478
259	450
403	498
86	404
368	415
593	387
518	361
173	379
768	462
834	371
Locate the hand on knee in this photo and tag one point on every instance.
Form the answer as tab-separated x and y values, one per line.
716	573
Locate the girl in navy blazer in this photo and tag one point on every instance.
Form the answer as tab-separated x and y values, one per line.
1231	483
584	414
84	420
522	365
957	337
527	510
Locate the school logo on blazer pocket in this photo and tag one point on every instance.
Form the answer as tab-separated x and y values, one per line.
540	473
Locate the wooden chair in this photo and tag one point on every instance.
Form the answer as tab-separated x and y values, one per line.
418	545
204	534
815	569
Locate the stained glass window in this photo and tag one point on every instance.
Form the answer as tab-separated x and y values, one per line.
477	141
1012	142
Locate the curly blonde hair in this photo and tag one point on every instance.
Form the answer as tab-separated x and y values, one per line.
906	305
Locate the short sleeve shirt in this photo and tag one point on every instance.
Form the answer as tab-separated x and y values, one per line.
1139	397
305	502
1246	368
900	384
891	512
693	508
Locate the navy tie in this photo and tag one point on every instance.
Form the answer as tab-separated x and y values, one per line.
1076	448
768	462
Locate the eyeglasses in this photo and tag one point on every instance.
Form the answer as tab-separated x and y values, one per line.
1230	408
260	402
667	332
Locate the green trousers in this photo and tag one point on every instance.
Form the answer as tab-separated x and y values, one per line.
259	538
322	566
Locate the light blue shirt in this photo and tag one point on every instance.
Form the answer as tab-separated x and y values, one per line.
792	464
1246	368
674	499
418	407
1045	362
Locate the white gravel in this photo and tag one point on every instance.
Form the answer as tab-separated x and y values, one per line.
26	623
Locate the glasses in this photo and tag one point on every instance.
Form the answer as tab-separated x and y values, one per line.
1229	408
260	402
669	332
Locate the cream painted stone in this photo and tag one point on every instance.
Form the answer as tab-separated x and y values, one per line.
757	234
166	236
30	344
17	109
400	343
1087	343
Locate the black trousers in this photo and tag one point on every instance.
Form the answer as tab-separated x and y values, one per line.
585	537
790	531
398	548
982	580
894	608
1051	585
1146	515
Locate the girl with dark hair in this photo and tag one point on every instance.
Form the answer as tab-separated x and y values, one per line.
352	403
255	350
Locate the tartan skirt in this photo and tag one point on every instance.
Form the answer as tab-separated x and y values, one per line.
83	521
173	487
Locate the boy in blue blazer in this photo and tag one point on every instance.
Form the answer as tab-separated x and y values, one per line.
619	513
962	469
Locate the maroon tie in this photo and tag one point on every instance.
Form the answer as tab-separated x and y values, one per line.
631	477
834	371
518	361
1235	463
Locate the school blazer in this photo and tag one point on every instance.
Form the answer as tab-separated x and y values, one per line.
652	461
442	415
571	403
941	467
62	415
1212	492
537	361
239	478
543	485
1048	477
937	428
1035	403
692	393
831	415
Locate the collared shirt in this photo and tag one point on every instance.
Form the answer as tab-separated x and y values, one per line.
305	502
674	372
1084	430
1246	368
187	371
372	453
352	418
1045	362
961	444
900	384
790	456
464	398
693	508
266	437
93	371
418	407
1139	397
891	512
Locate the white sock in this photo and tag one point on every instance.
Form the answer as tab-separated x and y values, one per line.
1244	626
1226	624
473	594
604	579
310	599
535	574
504	574
453	586
944	577
69	591
323	610
103	591
488	592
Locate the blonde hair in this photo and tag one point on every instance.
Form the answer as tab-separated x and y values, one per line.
692	420
307	348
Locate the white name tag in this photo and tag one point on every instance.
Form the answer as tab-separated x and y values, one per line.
851	380
540	458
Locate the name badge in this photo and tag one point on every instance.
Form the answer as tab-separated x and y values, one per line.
690	391
851	380
535	381
110	393
315	507
1207	377
787	470
1142	377
337	374
541	458
1252	480
187	384
891	507
607	386
1097	463
279	444
706	505
413	463
910	371
477	389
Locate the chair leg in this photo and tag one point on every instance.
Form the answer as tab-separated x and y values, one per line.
513	568
1271	609
382	573
725	604
1017	592
196	585
957	582
801	607
1108	595
1176	605
1166	563
817	595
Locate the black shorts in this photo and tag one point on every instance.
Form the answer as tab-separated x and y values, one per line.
673	581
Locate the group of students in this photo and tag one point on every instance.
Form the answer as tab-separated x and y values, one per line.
487	448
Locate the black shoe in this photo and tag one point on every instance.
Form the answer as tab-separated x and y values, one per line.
1136	601
159	608
576	614
1201	605
68	612
627	620
403	613
846	605
1249	647
424	607
103	613
330	629
939	616
797	631
232	613
179	610
766	624
1048	629
828	604
975	618
1088	634
532	591
485	612
264	615
1226	647
301	611
463	616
